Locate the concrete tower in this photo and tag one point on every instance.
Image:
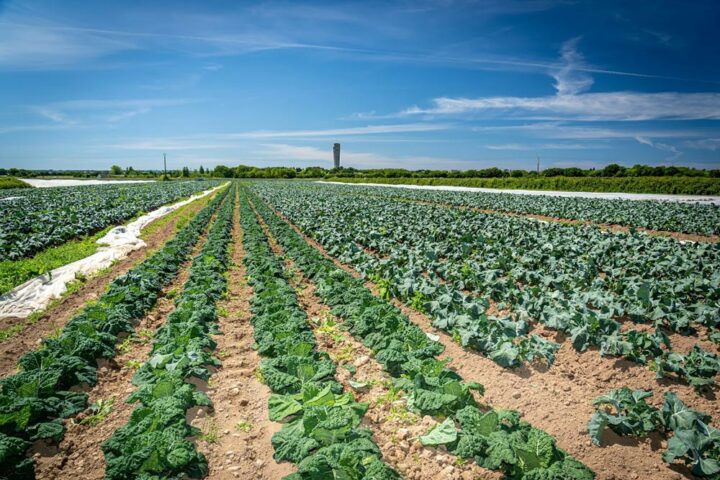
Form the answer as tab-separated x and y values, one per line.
336	155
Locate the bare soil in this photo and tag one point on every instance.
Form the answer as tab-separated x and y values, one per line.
240	401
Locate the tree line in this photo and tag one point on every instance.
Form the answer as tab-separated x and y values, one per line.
245	171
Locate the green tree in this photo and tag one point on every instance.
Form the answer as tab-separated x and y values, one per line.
116	170
186	172
223	172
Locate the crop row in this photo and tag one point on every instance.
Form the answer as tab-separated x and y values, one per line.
495	439
670	216
321	430
550	273
34	219
153	443
34	402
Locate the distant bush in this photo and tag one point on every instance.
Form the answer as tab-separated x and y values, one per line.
11	182
705	185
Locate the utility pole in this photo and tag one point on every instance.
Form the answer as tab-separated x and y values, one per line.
165	165
538	164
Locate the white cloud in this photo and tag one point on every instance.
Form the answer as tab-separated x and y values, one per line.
569	79
339	132
30	42
571	103
712	144
284	153
555	130
661	146
54	115
222	140
111	111
120	104
38	45
127	114
31	128
544	146
610	106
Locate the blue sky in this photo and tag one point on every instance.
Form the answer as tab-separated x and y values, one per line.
413	84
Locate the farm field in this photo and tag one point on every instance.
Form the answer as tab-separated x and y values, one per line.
46	228
34	219
304	330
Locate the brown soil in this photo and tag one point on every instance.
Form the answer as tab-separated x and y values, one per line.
559	400
240	400
58	315
79	455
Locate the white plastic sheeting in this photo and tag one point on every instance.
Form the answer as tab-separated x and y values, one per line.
553	193
37	293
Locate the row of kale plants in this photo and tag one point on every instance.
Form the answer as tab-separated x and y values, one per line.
321	430
656	215
154	443
34	401
583	288
496	439
691	437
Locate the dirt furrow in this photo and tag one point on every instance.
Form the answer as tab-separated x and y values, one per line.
58	315
559	400
237	440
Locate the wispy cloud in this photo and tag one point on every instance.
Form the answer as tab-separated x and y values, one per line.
571	103
32	42
563	131
544	146
340	132
661	146
570	79
54	115
712	144
224	140
610	106
284	153
72	112
31	128
31	46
